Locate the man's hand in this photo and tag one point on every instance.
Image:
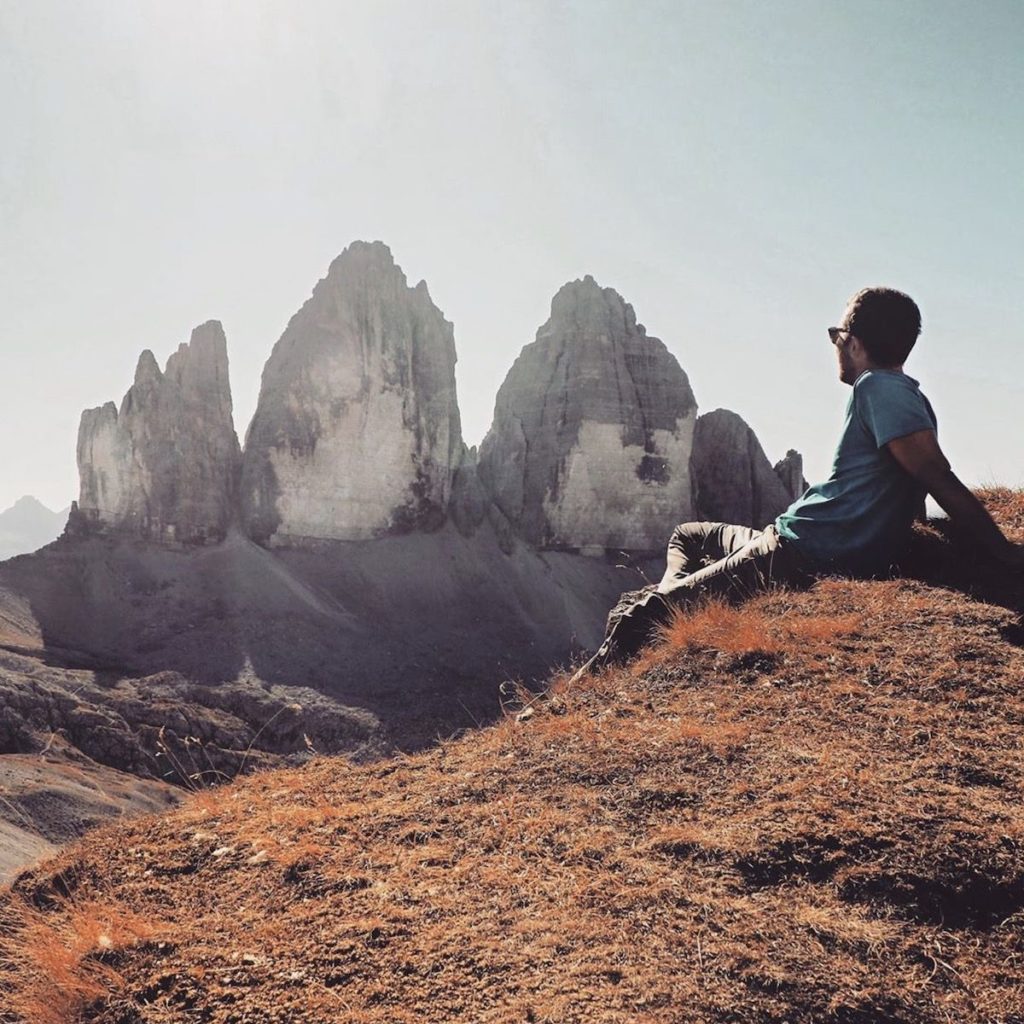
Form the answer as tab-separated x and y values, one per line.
920	455
1013	556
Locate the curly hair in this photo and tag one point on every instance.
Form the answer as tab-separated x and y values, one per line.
887	322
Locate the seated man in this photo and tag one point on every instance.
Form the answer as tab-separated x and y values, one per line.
858	521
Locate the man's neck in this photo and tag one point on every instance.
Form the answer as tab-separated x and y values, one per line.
874	366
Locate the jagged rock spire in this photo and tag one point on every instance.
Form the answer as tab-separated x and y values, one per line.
357	430
590	445
165	465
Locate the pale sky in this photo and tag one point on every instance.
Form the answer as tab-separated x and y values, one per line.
735	170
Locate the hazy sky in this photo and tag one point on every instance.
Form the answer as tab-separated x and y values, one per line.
734	169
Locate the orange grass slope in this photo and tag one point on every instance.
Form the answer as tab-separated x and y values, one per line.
805	809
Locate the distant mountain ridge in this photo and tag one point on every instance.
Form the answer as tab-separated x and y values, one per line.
27	525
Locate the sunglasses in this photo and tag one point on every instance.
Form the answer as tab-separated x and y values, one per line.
834	332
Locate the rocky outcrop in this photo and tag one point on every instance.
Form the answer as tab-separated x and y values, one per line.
590	445
164	466
734	480
790	471
357	431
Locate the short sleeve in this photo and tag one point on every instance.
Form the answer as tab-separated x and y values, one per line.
890	406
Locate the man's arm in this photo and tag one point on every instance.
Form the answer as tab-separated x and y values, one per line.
920	455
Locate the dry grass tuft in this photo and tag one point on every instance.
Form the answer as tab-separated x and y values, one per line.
53	967
751	629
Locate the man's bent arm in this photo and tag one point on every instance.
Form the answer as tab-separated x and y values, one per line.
920	455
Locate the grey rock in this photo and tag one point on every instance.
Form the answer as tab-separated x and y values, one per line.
734	480
168	726
165	465
590	445
469	503
790	471
357	432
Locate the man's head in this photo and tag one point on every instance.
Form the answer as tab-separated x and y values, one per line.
878	330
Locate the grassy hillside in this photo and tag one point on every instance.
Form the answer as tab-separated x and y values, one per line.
804	809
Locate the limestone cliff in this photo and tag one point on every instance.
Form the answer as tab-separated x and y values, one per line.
590	445
164	466
735	482
357	431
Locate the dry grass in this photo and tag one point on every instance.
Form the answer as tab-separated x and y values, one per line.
747	629
805	809
62	963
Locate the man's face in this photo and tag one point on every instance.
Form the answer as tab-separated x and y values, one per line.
847	370
844	343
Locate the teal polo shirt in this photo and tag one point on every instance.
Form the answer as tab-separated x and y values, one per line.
859	519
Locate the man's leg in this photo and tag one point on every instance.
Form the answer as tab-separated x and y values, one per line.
693	546
749	569
634	620
754	561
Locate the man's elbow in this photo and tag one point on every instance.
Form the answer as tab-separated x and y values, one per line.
942	483
925	463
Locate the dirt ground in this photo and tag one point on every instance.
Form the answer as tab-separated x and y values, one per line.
50	799
804	809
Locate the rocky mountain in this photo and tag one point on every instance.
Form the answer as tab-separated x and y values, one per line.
591	441
27	525
357	431
595	445
734	481
358	581
165	465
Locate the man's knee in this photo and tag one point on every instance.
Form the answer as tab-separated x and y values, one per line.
681	531
689	531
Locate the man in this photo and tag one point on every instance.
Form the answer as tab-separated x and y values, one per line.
856	523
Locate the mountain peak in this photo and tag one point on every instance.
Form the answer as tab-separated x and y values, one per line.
165	467
590	446
27	525
28	502
357	431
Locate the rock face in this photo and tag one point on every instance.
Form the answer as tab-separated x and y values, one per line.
165	465
590	445
790	471
357	431
735	482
